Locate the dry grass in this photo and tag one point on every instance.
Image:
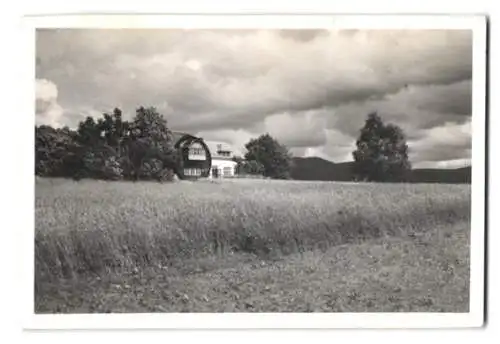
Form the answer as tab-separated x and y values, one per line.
250	246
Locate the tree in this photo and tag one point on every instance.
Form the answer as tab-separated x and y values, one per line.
250	167
382	152
274	158
97	152
54	151
149	146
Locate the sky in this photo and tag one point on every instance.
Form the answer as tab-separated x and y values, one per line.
310	89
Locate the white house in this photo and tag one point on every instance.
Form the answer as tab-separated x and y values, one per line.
195	157
222	160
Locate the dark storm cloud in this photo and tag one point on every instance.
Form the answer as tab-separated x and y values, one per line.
448	142
445	99
413	108
297	84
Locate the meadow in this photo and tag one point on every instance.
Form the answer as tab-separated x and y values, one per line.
250	246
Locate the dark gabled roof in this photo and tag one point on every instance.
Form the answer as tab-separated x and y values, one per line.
213	146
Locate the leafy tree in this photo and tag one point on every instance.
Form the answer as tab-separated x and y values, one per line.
113	129
55	151
382	152
89	133
250	167
94	151
149	146
274	158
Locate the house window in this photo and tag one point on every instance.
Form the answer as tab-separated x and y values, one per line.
195	151
223	153
192	172
227	171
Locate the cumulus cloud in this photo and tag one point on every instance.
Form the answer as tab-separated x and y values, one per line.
48	111
304	129
299	85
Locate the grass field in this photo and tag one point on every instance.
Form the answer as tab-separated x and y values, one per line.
250	246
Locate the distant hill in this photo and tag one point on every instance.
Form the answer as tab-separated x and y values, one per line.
314	168
450	176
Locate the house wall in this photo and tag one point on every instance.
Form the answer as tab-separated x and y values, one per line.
225	168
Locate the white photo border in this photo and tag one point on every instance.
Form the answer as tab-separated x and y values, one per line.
475	317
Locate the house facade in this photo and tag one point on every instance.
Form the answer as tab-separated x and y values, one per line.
222	160
202	159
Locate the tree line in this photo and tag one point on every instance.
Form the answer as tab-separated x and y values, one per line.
111	148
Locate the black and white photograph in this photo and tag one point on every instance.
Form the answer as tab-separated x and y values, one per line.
260	169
